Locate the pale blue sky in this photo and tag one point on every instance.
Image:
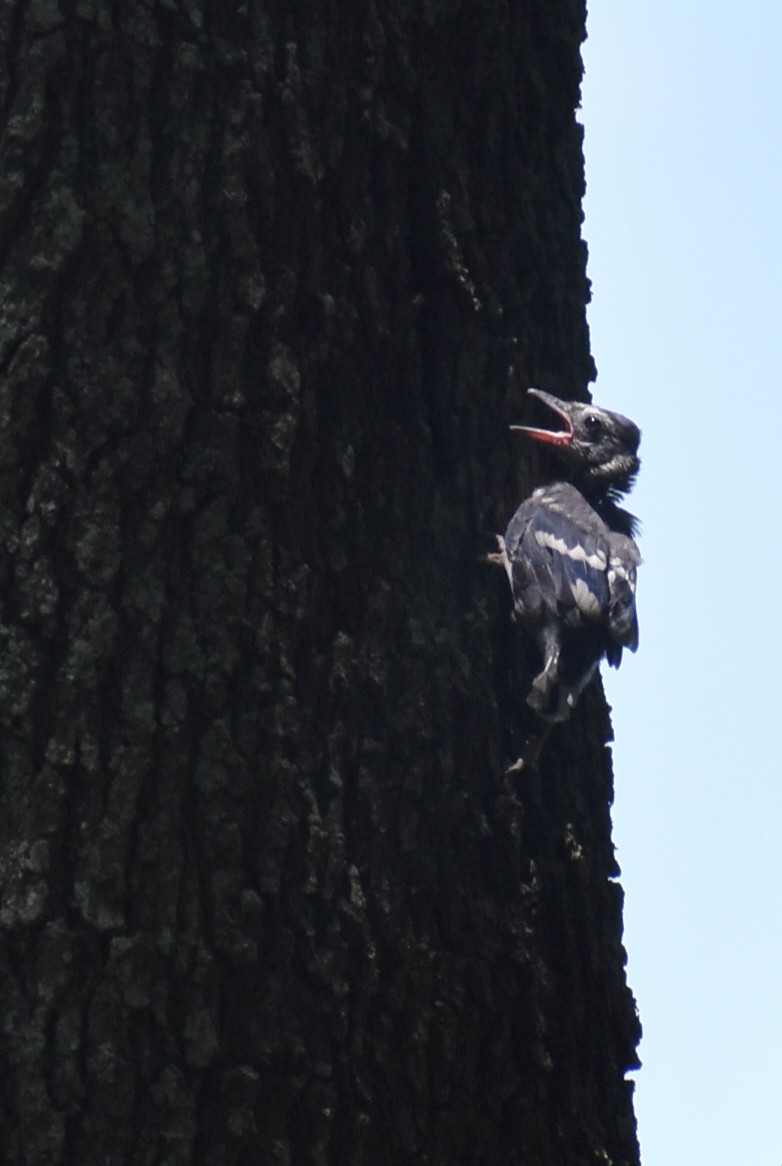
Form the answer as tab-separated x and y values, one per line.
683	120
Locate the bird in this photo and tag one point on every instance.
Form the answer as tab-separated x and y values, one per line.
571	557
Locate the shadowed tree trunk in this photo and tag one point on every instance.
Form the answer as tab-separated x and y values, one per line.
267	895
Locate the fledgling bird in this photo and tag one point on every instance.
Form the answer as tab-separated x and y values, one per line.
570	556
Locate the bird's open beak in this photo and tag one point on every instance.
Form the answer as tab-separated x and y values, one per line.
553	437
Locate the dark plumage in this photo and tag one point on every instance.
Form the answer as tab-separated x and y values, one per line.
570	556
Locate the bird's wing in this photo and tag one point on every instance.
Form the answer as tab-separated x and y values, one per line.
559	564
623	562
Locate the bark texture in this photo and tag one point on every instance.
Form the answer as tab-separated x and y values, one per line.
267	896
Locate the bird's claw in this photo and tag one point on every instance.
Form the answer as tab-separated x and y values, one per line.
500	558
528	761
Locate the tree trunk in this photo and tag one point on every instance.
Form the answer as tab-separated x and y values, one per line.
267	893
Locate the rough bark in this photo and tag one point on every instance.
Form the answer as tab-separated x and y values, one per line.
267	896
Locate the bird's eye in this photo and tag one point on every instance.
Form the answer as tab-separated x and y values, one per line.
593	424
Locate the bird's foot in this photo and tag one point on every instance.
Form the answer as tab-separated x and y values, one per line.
550	700
500	558
531	755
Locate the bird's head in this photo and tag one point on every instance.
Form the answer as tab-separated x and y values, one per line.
600	447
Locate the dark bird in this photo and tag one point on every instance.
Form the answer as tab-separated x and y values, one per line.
570	556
